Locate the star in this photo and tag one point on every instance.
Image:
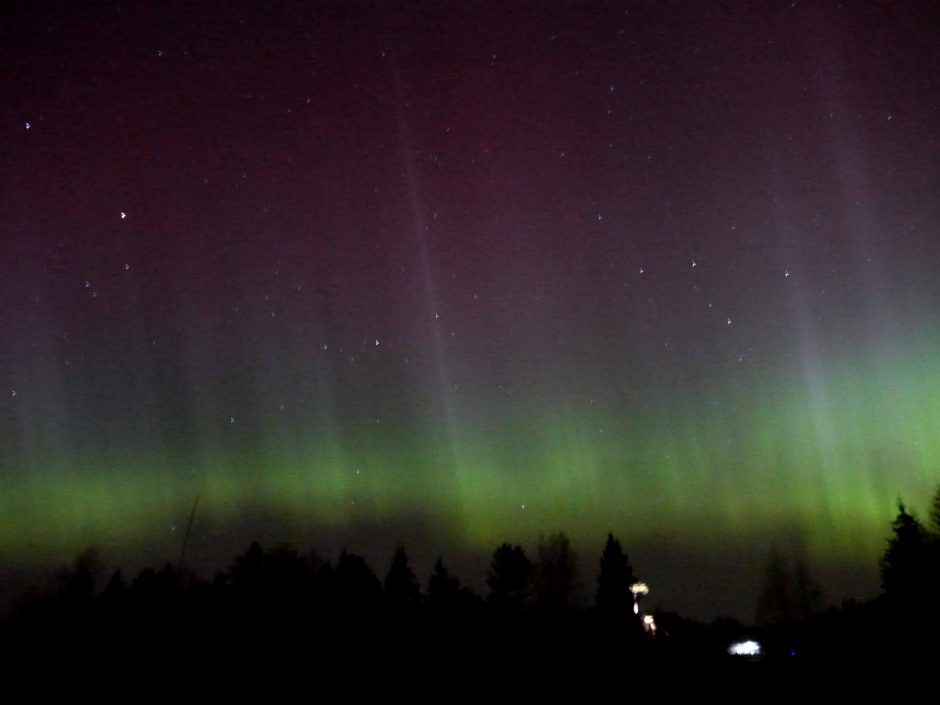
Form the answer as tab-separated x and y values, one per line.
123	215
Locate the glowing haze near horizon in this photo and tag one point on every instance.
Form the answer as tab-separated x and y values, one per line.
663	269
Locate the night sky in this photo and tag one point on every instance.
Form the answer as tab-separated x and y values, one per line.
452	274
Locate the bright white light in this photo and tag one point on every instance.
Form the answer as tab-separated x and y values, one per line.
744	648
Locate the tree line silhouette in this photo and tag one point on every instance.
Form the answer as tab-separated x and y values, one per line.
272	595
267	584
277	595
895	626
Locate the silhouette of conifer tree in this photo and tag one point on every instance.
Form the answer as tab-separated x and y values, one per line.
509	578
443	588
906	569
615	579
401	586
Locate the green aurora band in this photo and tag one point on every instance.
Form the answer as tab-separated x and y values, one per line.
828	456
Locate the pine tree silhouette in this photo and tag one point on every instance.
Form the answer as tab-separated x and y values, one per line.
509	579
616	577
401	587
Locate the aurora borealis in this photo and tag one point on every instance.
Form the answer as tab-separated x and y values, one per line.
453	274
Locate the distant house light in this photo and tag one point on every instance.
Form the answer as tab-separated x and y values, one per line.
744	648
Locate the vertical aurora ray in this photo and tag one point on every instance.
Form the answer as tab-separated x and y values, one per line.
466	275
451	461
766	467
